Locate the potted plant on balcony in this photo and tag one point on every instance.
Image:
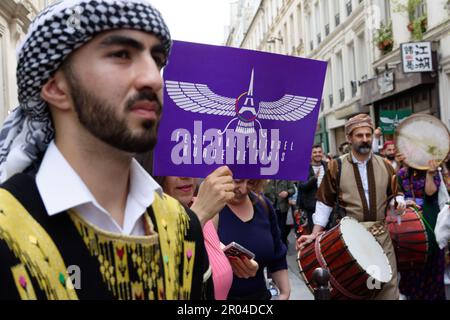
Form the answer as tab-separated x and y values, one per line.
417	24
418	27
384	38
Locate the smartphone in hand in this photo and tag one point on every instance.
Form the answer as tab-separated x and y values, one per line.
236	250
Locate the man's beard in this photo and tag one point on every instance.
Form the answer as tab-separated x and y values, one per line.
317	160
363	148
391	157
101	120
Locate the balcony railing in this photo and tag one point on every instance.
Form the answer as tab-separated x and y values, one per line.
354	86
349	8
337	19
341	95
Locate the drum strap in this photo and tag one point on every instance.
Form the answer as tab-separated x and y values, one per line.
340	213
323	264
338	184
427	224
411	187
370	214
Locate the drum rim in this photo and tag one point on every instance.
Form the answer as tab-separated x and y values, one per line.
413	118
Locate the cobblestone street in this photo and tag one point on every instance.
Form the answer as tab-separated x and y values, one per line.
299	291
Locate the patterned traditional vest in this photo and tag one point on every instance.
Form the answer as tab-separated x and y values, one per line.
66	257
379	180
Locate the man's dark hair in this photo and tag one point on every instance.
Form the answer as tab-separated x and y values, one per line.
317	146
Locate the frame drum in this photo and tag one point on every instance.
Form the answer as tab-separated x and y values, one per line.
422	137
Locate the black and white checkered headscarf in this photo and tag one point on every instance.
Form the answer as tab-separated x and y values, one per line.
54	34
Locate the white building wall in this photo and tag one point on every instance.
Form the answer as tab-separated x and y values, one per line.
15	17
357	29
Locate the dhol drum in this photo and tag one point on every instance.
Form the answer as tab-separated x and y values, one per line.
409	238
356	262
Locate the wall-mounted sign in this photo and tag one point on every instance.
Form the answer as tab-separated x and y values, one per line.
386	82
417	57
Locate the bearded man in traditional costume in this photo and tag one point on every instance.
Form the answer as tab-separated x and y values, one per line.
366	187
79	217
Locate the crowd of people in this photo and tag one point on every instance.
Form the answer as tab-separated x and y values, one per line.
415	187
74	193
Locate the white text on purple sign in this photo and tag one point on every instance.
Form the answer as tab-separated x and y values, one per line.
230	148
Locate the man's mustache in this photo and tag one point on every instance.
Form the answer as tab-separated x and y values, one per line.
364	144
144	95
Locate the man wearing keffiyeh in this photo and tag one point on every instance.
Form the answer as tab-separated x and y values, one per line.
72	196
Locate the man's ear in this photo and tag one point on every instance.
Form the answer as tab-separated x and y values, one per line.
56	92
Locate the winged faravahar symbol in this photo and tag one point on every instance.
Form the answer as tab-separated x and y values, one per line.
199	98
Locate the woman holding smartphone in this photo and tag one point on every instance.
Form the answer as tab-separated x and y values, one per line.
183	190
249	220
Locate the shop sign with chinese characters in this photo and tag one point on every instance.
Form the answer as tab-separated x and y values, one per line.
417	57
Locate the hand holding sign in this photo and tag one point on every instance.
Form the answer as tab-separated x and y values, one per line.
213	194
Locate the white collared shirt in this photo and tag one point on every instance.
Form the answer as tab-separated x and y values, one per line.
61	188
362	168
323	211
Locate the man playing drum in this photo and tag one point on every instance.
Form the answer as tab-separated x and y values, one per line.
367	183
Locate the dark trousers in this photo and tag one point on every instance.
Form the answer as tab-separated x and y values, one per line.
284	229
309	218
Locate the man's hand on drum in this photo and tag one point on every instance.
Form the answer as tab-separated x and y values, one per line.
303	241
400	157
399	204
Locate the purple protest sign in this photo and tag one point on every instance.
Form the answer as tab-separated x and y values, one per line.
253	111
